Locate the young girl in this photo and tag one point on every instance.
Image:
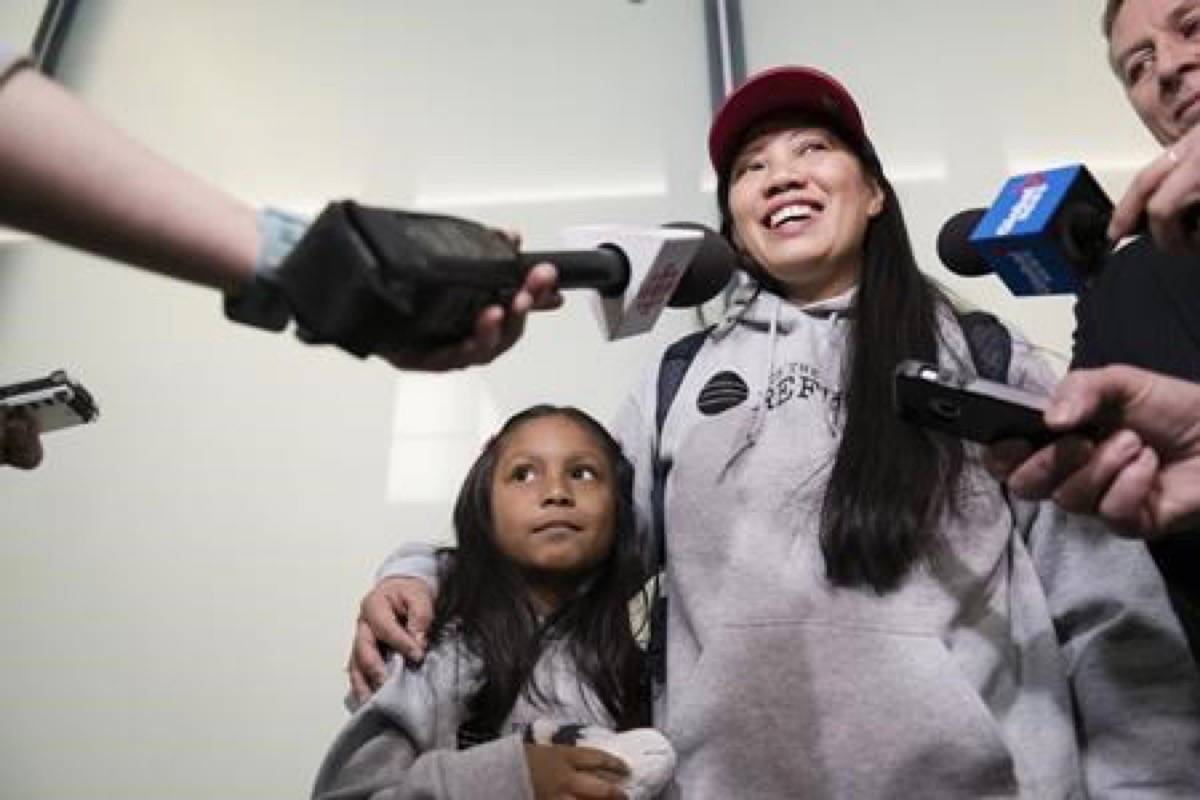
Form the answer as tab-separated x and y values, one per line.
532	624
856	608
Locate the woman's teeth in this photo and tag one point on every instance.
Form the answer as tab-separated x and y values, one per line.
792	213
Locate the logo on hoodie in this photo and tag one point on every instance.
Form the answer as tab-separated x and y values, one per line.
800	382
722	392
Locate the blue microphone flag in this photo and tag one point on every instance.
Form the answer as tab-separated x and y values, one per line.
1024	236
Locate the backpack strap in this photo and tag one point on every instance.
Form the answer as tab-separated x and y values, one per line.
675	362
674	366
989	343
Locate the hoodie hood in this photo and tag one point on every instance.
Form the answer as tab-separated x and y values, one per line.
754	305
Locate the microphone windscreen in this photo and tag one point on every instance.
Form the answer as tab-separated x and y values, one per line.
954	244
709	271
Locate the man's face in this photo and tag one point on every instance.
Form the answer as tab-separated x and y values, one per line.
1155	50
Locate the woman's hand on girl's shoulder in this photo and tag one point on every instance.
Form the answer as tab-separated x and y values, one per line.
559	772
393	615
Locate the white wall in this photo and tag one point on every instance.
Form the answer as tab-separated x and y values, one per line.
19	20
177	582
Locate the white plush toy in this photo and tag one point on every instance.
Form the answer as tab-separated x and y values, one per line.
650	757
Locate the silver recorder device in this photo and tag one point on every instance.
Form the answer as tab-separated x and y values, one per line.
56	401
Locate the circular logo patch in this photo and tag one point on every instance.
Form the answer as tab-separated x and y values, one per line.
722	392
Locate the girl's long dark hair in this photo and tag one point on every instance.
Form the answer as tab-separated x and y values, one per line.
487	601
891	481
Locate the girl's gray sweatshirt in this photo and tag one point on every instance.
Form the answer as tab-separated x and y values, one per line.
401	744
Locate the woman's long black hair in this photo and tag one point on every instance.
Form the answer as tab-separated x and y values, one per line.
891	481
487	600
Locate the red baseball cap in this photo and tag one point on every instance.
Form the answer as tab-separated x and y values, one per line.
780	90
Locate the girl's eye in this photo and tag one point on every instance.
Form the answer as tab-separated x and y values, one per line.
1190	27
521	473
584	472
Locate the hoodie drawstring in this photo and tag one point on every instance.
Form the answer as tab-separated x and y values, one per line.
758	412
833	410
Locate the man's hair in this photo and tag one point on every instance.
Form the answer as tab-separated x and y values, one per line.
1111	9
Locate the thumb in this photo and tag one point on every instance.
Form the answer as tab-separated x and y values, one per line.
420	615
1080	395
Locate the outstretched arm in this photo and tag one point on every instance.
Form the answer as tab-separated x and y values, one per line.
73	177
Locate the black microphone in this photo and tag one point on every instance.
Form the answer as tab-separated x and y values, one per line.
379	280
1044	234
710	270
606	269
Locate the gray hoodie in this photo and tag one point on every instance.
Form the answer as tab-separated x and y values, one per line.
1039	659
401	743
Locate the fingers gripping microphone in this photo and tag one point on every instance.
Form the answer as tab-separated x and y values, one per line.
1044	234
376	280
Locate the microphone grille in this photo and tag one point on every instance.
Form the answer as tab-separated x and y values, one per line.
708	273
954	246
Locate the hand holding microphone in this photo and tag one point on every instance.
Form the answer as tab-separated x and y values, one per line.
1143	477
411	283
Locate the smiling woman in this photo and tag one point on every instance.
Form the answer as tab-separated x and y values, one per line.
803	195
